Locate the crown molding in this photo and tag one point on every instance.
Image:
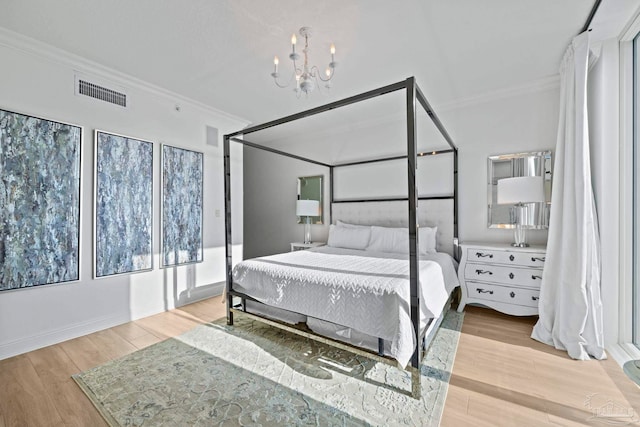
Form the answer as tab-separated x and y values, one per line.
632	28
30	46
535	86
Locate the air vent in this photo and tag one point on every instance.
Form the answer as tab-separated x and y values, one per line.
102	93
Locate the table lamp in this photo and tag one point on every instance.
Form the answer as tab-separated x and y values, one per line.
307	208
518	191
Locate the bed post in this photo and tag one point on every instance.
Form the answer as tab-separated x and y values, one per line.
227	225
330	194
455	203
414	271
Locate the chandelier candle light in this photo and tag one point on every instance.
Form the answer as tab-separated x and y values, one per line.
307	77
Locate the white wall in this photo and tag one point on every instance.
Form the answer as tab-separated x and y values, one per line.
517	121
433	178
39	80
521	122
270	194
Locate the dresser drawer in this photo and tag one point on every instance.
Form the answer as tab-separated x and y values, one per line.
495	256
509	295
505	274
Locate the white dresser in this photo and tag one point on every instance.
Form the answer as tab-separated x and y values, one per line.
501	276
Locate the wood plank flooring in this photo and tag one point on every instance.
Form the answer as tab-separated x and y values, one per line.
36	388
501	377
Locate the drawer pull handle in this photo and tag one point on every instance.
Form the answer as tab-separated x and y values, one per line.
511	276
478	272
535	298
482	291
483	255
534	277
535	258
511	257
512	294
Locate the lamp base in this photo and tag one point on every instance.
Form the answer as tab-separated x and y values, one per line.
307	231
520	233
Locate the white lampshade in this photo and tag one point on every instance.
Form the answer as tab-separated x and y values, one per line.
307	208
520	189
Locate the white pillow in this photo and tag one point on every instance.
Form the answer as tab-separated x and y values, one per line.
347	225
385	239
427	239
348	238
396	240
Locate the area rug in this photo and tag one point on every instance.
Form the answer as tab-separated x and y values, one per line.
252	374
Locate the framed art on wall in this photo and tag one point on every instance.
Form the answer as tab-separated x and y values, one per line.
40	192
123	221
182	180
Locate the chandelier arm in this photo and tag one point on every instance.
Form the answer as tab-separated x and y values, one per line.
296	71
288	83
324	88
280	85
319	74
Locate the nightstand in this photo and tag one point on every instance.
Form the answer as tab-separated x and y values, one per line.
299	246
501	277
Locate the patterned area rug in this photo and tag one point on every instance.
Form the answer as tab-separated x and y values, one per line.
252	374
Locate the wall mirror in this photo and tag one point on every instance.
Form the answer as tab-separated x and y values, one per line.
311	188
534	164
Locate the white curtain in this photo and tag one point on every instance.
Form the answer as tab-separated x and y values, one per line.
570	304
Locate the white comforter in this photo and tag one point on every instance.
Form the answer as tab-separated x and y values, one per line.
363	290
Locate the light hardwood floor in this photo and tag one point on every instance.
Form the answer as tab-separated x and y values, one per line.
501	377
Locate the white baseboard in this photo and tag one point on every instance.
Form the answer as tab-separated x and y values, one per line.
186	297
34	342
624	352
200	293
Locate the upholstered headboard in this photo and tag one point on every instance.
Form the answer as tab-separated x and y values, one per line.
437	212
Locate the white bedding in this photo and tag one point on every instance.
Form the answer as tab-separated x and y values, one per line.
363	290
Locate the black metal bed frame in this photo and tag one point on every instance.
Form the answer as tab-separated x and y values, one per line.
413	94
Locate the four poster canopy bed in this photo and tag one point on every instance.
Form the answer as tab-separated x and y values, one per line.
383	282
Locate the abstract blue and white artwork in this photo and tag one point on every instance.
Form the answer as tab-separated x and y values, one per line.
182	181
123	205
39	201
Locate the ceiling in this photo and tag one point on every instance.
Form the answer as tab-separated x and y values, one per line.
221	52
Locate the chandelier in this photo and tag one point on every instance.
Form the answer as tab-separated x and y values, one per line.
307	77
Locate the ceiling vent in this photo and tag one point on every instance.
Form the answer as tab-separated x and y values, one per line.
100	91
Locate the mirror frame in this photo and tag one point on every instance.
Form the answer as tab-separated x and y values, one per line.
302	196
542	208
